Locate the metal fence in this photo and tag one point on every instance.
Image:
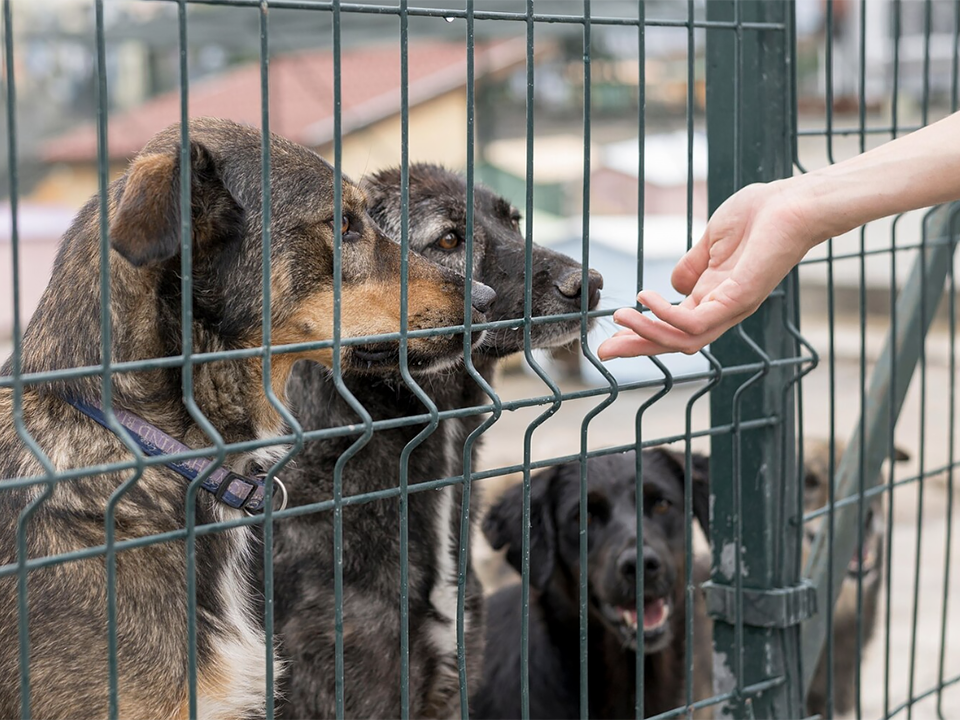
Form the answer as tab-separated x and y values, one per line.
771	614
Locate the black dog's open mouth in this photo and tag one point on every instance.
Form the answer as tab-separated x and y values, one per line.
656	613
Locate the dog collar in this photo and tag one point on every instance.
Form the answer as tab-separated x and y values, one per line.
230	488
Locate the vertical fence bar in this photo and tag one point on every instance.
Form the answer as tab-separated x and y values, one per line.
186	339
106	355
404	506
925	308
952	412
590	356
832	370
267	326
584	620
755	147
23	630
463	548
535	366
892	411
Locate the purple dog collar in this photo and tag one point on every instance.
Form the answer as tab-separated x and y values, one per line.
230	488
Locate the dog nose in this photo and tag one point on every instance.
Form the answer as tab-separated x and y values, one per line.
570	286
651	564
627	563
482	297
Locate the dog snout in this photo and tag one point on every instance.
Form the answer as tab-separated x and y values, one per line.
652	565
482	297
570	286
627	563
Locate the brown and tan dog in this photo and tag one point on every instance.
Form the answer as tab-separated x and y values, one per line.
68	658
865	568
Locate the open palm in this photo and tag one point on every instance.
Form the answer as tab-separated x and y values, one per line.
750	244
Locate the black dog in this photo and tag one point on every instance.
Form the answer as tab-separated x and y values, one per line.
613	564
371	531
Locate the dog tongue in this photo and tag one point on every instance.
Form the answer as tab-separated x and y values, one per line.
653	612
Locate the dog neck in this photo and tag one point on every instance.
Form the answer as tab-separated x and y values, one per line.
65	332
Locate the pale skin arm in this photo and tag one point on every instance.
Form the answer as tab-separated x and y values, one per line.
761	232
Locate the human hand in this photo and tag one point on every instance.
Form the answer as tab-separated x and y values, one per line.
750	244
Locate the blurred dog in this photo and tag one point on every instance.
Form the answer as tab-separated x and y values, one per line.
614	626
67	611
371	539
867	567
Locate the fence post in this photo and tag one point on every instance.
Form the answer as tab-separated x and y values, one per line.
755	594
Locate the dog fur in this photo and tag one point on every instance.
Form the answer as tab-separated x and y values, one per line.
68	602
869	567
371	553
612	562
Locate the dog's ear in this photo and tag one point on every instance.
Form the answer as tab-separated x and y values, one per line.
503	527
383	192
700	466
146	225
700	477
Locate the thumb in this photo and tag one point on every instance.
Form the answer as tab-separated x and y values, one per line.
691	267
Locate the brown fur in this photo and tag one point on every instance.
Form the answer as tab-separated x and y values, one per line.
67	606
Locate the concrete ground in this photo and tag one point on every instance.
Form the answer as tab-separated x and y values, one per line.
913	521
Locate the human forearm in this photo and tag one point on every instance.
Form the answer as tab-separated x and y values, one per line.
915	171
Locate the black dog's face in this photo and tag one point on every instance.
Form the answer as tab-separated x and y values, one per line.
612	559
438	226
227	226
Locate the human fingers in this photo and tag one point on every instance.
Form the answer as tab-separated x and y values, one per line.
628	344
660	333
712	312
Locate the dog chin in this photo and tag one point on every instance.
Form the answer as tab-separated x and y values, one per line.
565	334
384	359
543	337
655	628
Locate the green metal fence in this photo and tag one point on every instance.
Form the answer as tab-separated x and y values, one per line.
771	614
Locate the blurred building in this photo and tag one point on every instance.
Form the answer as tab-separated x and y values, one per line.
301	100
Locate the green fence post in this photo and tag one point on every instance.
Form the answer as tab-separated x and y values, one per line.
755	593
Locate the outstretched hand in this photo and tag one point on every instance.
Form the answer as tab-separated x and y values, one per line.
750	244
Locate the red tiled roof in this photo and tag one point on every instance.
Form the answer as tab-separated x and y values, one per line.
301	95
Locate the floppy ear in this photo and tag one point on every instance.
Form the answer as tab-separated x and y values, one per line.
700	481
503	527
146	225
700	466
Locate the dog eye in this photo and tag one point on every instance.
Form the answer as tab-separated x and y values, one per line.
598	509
661	505
450	241
349	228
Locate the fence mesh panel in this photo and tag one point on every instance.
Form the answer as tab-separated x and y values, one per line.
736	91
